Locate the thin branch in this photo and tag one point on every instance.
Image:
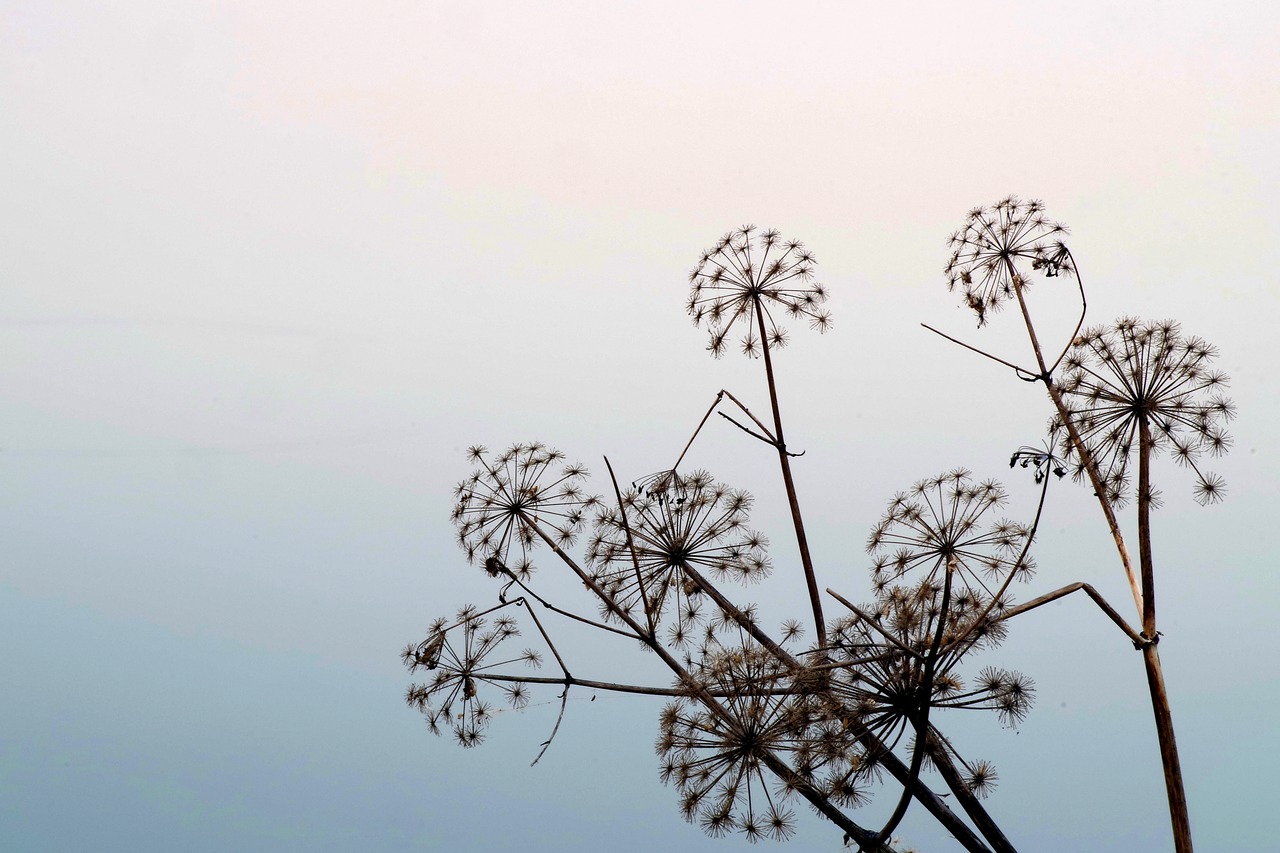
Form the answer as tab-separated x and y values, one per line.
1021	370
616	687
545	636
1084	308
567	614
564	700
1139	641
1004	587
631	546
750	432
754	419
873	622
701	424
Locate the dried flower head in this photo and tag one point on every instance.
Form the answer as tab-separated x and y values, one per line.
752	277
890	668
458	655
640	554
939	523
882	672
503	503
719	761
987	251
981	778
1118	377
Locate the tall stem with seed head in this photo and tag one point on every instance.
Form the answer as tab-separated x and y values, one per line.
793	502
1179	814
1144	595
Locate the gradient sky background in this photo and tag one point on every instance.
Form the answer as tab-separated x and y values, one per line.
269	268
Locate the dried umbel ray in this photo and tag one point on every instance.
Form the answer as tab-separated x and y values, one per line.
939	522
722	763
747	280
499	504
460	656
641	554
904	660
1117	377
994	240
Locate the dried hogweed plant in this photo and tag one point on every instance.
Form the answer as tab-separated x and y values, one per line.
1130	389
759	723
1135	385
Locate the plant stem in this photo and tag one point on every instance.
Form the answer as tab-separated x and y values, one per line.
698	691
1179	815
932	803
1144	596
972	807
1086	458
810	578
920	719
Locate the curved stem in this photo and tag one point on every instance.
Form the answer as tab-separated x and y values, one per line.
1026	546
1086	458
1084	308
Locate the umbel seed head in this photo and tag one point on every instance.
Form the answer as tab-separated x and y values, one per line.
1132	372
993	254
747	280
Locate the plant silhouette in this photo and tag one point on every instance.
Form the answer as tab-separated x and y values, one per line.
836	714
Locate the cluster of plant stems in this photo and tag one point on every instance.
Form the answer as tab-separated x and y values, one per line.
756	720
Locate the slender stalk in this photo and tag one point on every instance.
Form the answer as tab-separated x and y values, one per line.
802	541
631	548
1144	598
1134	636
1179	814
920	719
1090	467
1144	527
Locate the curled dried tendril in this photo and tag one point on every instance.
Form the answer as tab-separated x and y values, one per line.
505	501
747	280
1040	460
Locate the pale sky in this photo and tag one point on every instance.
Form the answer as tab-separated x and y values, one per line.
270	268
